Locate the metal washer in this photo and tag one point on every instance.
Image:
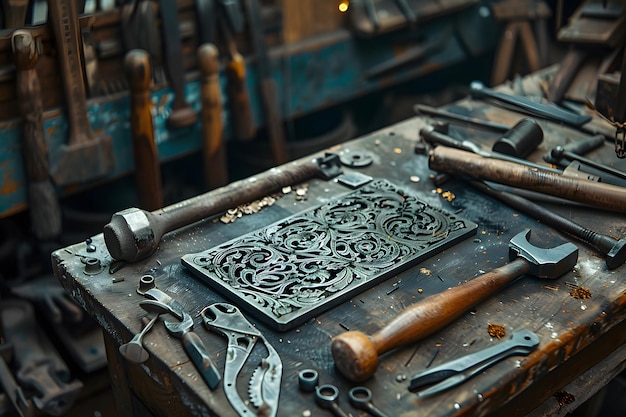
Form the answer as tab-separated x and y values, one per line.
356	159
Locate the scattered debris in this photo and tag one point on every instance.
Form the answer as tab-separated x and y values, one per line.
564	398
425	271
579	292
414	178
496	330
397	150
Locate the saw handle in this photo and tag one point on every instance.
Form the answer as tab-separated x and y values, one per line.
356	355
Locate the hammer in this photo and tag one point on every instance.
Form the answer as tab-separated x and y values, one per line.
356	354
134	234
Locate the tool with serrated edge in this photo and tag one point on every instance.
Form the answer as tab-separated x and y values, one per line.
264	385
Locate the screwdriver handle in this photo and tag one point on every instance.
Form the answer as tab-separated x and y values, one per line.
195	348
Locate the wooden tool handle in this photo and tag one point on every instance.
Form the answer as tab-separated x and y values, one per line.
63	16
356	355
454	161
215	170
239	99
147	168
44	210
436	311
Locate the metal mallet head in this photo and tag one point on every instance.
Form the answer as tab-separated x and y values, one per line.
131	235
544	263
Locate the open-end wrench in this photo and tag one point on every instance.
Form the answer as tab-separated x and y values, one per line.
450	374
361	398
327	396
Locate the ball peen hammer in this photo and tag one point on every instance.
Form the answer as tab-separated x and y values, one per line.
134	234
356	354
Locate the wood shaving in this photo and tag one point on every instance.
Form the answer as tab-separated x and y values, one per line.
564	398
496	330
580	293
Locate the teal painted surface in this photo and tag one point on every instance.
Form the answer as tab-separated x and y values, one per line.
314	79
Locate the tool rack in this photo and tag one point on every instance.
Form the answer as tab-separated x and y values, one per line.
579	338
314	67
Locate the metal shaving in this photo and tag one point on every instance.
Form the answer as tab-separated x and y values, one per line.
254	207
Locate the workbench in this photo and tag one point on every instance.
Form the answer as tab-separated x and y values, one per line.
575	334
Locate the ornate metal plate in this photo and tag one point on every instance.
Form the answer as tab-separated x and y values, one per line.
292	270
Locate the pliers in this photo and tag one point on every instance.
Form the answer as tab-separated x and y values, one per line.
452	373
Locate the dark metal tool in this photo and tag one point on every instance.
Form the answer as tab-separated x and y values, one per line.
264	385
614	249
580	147
39	365
207	20
361	398
267	84
549	111
521	140
455	372
134	351
560	152
356	354
45	214
459	118
327	397
162	303
454	161
134	234
438	134
84	157
182	114
145	152
9	385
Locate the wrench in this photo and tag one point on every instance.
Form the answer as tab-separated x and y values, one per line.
361	398
327	396
450	374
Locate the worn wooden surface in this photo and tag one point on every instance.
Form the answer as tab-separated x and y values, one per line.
574	334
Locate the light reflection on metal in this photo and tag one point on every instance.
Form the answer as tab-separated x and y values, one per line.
296	268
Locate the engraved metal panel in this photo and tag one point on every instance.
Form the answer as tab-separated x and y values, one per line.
294	269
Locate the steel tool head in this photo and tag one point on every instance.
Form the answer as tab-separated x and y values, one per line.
544	263
179	328
130	235
617	255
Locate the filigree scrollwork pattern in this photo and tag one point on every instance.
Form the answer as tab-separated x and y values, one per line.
291	269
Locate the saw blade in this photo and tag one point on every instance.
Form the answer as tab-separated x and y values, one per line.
255	387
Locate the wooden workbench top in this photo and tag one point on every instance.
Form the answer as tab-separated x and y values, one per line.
574	333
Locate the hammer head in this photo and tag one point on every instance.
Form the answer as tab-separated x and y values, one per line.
129	235
617	255
544	263
179	328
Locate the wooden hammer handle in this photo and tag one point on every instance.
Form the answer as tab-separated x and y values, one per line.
147	165
214	151
434	312
454	161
